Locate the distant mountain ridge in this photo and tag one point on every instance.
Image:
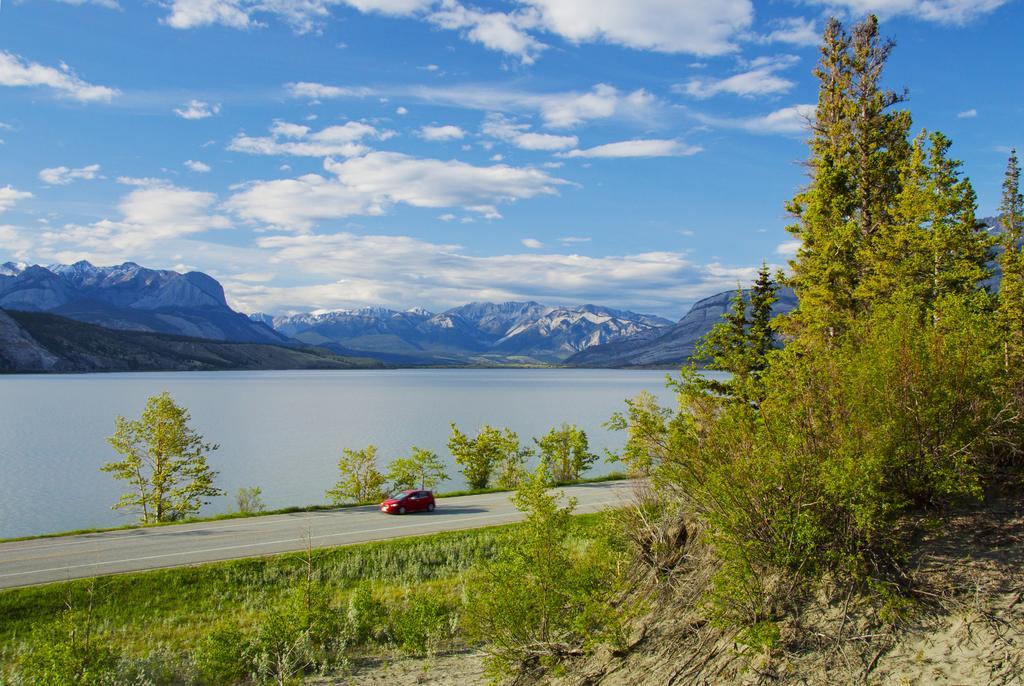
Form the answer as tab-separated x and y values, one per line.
674	345
42	342
131	297
474	333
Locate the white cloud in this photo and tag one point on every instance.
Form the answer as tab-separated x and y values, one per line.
967	114
16	71
142	181
391	7
301	202
401	111
109	4
199	167
62	176
318	91
941	11
603	101
303	16
696	27
301	141
787	120
558	110
519	135
400	271
570	240
793	30
441	133
9	195
151	216
368	185
639	148
532	243
504	32
760	79
788	248
197	109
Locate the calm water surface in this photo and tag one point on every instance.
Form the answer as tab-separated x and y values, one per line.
282	431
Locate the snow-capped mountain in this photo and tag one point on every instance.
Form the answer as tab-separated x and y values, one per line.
130	297
521	331
670	346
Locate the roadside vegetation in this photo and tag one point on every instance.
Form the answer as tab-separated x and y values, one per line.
275	619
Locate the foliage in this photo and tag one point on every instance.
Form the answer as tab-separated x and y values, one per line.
423	621
360	479
421	470
491	450
249	500
164	462
567	451
546	595
1011	263
740	344
858	146
649	438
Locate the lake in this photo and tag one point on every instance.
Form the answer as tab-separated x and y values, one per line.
280	430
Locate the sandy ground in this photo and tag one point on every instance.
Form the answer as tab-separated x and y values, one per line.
457	669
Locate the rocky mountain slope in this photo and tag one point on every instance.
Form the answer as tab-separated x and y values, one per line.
474	333
130	297
41	342
670	346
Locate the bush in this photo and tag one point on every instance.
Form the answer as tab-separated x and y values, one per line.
422	622
546	596
67	652
849	437
221	657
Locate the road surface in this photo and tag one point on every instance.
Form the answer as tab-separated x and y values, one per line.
45	560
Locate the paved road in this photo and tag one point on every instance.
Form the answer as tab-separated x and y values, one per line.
47	560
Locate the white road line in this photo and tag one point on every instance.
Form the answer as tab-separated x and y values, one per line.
267	543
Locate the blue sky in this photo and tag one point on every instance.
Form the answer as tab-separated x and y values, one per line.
326	154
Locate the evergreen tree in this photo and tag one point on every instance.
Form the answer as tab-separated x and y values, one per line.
857	146
935	247
1011	263
741	342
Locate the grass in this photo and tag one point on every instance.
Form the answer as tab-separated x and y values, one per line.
613	476
173	608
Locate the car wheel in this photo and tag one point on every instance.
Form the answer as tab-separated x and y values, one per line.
401	510
430	507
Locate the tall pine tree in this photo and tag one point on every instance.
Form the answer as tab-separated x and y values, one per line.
934	247
1011	263
858	145
741	342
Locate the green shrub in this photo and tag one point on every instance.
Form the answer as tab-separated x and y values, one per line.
222	657
67	651
422	622
897	415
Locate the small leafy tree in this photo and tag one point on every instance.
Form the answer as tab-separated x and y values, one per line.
249	500
423	469
360	480
546	594
567	451
491	450
164	462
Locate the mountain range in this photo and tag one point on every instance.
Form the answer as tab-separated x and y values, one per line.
132	298
477	333
673	345
162	319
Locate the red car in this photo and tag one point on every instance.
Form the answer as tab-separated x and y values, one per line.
409	501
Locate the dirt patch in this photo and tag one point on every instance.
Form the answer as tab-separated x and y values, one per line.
454	669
